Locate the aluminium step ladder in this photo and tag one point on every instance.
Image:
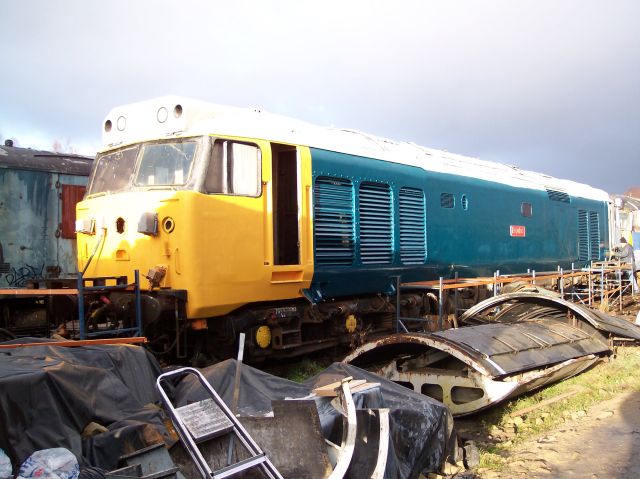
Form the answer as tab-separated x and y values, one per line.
208	419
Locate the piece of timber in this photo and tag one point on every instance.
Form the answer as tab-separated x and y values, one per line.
332	389
76	344
38	292
546	402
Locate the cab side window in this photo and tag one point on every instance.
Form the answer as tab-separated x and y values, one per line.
234	169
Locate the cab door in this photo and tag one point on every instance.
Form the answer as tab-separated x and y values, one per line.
291	221
286	189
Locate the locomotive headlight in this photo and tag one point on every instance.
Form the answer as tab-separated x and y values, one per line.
162	115
168	225
86	226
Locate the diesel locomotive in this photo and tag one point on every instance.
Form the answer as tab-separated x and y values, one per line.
298	235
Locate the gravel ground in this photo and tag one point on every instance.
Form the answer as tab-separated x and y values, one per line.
603	443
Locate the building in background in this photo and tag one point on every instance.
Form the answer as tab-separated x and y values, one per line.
38	195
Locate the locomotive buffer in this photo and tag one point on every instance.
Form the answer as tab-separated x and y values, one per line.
211	418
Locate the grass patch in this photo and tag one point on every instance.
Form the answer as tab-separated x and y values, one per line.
490	460
604	381
304	369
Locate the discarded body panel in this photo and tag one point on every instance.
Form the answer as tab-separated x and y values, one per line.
525	306
151	462
472	368
305	457
344	452
416	433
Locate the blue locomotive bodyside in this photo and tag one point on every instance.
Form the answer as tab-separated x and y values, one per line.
375	220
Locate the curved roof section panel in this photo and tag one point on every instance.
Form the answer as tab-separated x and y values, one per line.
517	347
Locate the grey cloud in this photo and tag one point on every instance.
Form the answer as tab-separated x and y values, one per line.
544	85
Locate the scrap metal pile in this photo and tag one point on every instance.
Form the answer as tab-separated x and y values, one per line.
113	410
101	404
505	346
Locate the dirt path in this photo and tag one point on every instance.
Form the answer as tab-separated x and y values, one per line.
603	443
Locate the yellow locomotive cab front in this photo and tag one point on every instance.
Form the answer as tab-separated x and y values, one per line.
196	214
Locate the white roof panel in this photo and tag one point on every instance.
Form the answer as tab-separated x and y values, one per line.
179	116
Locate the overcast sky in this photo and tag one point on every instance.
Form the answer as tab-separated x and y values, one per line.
547	85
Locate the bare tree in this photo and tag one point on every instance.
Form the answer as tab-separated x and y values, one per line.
63	146
633	191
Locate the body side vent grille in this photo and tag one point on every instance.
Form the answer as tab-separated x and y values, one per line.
557	195
594	235
413	226
376	224
588	235
333	221
583	235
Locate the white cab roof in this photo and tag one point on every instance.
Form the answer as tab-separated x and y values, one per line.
172	116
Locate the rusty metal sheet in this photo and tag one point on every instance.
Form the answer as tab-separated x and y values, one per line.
508	345
524	306
473	368
615	326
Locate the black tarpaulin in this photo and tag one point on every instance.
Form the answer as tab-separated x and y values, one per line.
49	394
421	428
